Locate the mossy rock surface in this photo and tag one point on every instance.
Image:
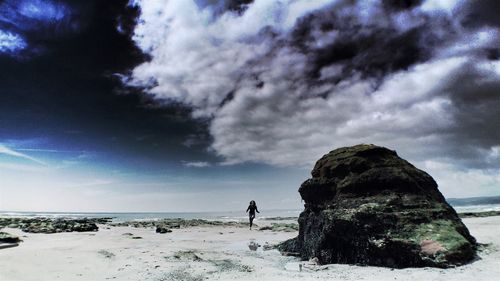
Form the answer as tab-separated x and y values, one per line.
52	225
366	205
8	238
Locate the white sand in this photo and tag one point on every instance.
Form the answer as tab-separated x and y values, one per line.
223	255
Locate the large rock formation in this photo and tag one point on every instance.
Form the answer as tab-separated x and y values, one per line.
365	205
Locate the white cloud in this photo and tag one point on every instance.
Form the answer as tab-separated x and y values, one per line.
440	5
199	61
455	182
246	74
7	151
198	164
20	167
277	125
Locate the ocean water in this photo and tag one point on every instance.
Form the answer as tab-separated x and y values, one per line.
223	216
117	217
477	208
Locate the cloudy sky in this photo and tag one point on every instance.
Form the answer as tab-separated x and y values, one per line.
178	105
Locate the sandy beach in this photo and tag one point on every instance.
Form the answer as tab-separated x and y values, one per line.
208	253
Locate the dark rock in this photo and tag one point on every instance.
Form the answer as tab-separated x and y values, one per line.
179	223
279	218
253	246
479	214
106	254
160	229
365	205
8	238
187	256
283	227
49	225
103	220
83	225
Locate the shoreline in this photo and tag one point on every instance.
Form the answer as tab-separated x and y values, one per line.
44	224
479	214
208	252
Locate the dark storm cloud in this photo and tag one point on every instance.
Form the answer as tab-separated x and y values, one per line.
474	92
219	7
374	49
68	95
399	5
479	13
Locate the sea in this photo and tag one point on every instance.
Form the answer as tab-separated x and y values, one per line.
139	216
222	216
477	208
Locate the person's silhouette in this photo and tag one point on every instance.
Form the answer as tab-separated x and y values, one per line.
252	208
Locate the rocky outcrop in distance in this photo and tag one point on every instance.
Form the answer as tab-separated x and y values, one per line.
175	223
52	225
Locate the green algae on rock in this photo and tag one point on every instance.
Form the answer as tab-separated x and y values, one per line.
8	238
366	205
52	225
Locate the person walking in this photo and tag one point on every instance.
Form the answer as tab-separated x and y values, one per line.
252	208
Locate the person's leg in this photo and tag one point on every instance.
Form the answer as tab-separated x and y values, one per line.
251	220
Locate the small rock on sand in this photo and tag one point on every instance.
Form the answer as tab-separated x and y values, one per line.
162	230
253	246
106	254
8	238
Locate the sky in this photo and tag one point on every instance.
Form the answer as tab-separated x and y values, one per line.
204	105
